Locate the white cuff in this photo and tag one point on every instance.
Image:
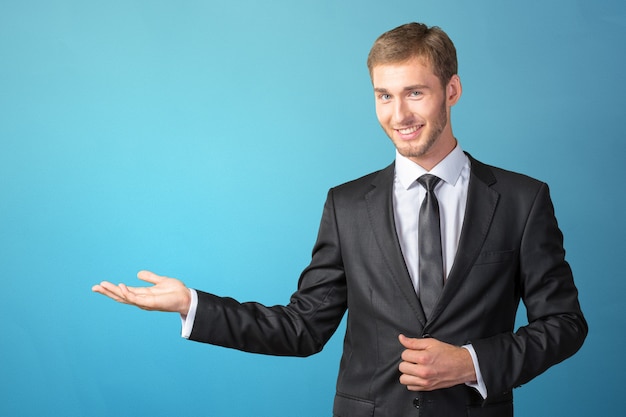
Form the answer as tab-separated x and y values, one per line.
479	384
187	321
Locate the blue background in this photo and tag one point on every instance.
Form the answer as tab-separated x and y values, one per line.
198	139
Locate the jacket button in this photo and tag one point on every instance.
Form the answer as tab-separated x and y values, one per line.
416	403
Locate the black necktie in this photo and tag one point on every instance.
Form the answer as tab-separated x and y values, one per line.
429	235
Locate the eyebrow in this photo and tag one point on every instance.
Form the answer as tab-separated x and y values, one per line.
407	88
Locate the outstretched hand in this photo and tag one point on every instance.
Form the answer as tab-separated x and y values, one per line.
429	364
167	294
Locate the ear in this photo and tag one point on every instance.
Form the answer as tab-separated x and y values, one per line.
454	89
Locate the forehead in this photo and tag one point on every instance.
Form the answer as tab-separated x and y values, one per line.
415	71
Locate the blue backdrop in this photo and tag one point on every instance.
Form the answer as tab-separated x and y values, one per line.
198	139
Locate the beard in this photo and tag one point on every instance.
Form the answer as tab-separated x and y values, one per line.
420	148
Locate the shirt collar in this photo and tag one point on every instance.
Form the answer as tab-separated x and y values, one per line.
449	169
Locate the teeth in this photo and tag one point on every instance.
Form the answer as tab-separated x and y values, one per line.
408	130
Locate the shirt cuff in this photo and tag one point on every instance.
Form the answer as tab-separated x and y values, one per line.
187	321
479	384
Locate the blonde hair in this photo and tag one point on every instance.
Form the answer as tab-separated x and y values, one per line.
416	40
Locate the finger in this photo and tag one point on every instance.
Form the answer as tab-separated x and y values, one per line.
111	288
149	277
409	368
417	377
412	356
138	291
104	290
131	294
99	287
412	343
412	382
138	297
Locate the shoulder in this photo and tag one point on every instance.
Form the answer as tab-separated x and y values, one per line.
503	180
383	177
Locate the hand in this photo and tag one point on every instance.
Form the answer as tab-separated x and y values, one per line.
167	294
428	364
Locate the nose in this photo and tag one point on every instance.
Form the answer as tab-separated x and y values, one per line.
401	112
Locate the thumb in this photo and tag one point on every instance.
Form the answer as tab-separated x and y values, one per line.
150	277
411	342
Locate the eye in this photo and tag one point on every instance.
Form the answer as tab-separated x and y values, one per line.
384	97
415	93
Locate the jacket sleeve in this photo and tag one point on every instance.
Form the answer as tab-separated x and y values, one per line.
556	327
300	328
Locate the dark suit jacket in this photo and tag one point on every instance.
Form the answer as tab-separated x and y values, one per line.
510	248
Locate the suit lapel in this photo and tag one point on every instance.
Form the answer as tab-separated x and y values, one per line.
379	202
481	205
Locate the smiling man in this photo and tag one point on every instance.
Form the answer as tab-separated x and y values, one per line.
429	256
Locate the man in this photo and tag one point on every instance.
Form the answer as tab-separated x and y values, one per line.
430	328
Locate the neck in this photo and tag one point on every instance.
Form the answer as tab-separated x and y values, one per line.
430	159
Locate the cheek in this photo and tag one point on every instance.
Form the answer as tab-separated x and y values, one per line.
382	115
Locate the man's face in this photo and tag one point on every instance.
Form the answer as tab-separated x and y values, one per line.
412	108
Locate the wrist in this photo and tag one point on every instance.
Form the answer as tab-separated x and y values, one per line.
185	304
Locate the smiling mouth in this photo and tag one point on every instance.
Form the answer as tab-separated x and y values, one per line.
409	130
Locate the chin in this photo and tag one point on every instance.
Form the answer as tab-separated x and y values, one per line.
412	150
